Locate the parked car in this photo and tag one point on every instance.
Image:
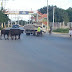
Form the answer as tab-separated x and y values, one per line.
15	26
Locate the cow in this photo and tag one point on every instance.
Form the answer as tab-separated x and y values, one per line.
4	33
11	32
15	33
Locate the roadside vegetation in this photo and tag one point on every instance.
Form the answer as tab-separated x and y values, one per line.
3	18
61	30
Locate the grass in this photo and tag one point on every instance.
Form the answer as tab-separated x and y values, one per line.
61	30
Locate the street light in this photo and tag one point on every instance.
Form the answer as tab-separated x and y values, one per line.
47	17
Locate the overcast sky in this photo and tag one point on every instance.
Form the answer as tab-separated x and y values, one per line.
26	5
36	4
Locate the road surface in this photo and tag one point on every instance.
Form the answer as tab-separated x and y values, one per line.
36	54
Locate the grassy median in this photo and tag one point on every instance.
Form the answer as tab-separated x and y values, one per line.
61	30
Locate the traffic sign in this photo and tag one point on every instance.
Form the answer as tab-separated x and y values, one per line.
24	12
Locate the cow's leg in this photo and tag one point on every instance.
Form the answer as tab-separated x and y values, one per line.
15	37
70	35
1	36
4	37
11	37
19	36
8	36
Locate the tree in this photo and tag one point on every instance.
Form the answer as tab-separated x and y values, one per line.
22	22
69	11
3	17
60	14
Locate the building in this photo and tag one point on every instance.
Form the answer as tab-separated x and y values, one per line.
39	17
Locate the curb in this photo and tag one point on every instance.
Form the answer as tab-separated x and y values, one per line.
61	34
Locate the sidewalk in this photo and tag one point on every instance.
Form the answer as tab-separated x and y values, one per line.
60	34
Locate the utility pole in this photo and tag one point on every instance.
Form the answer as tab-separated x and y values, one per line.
17	19
2	5
29	19
31	16
53	16
47	17
37	17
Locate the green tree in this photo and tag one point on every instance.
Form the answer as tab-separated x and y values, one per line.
69	11
3	17
60	14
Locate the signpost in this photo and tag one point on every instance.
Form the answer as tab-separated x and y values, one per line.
47	17
19	12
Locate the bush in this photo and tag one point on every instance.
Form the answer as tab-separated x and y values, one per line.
61	30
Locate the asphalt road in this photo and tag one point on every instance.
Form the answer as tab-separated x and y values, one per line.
36	54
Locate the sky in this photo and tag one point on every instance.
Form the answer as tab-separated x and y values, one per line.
36	4
27	5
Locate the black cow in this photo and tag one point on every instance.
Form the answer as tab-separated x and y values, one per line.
5	32
15	32
12	33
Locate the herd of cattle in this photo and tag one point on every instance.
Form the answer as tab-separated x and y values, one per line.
11	33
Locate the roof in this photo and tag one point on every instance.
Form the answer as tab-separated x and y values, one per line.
39	13
44	16
44	23
40	17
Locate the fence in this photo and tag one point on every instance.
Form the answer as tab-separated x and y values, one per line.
60	25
